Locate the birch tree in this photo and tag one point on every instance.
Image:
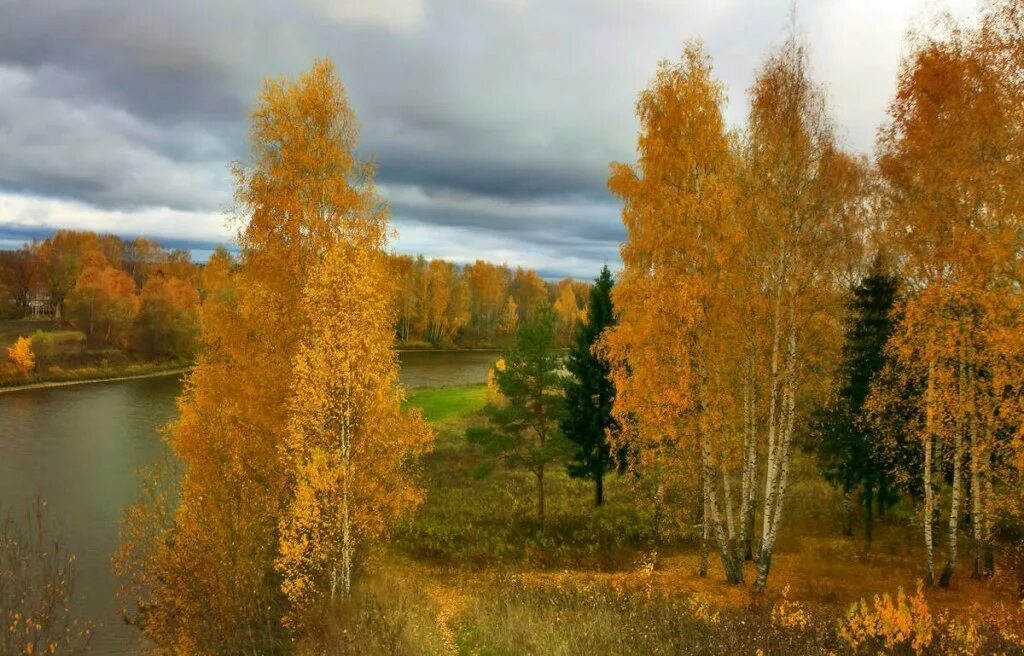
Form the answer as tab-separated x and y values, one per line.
678	201
207	583
351	448
802	228
950	159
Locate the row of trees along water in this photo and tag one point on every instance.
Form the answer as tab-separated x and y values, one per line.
137	296
737	338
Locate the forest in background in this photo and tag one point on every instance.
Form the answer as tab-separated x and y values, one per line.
79	303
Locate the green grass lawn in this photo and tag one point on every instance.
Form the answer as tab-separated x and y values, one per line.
441	403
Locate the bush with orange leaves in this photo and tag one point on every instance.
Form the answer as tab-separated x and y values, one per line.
20	354
887	625
789	614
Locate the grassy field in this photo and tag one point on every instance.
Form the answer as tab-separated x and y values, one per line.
474	572
440	404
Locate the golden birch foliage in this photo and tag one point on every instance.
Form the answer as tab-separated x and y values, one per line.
509	317
566	308
674	306
488	287
676	207
528	291
445	301
953	184
103	303
21	356
216	273
351	447
208	584
494	395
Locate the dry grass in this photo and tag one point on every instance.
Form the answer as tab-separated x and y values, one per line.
474	573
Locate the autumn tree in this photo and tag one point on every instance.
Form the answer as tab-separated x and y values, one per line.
528	291
445	301
949	157
523	428
803	223
103	303
678	200
60	258
20	273
509	317
407	271
729	279
215	277
488	289
168	323
351	449
590	394
566	308
208	584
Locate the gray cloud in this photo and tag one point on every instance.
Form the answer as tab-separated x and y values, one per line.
492	121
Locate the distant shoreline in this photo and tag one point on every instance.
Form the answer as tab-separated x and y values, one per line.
86	381
179	370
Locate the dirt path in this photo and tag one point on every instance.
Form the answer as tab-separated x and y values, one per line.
87	381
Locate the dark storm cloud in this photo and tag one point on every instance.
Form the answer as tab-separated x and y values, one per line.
487	118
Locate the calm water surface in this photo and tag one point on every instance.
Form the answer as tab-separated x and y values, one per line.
79	448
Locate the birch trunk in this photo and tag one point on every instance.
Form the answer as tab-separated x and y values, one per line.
977	511
729	523
747	492
773	402
773	517
989	553
926	473
733	567
954	510
956	500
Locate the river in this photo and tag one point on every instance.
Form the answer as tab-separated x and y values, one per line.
80	448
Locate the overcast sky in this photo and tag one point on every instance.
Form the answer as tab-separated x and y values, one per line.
492	121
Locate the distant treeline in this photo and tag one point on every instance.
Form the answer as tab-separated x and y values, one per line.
133	295
478	304
141	297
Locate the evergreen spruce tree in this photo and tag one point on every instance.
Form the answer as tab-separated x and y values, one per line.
850	450
589	393
523	423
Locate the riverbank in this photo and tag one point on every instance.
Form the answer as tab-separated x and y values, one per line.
421	369
83	378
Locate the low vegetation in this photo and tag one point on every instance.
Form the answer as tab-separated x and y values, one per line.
37	578
474	572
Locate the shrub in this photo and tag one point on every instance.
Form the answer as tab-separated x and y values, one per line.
900	625
20	354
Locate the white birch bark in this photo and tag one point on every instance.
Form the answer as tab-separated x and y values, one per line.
929	503
771	473
747	493
773	516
